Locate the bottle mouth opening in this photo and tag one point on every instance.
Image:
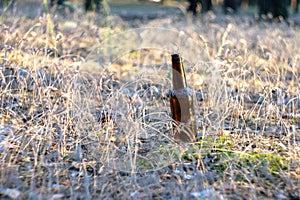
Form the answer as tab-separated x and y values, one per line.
175	57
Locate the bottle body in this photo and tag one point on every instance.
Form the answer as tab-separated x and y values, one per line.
182	105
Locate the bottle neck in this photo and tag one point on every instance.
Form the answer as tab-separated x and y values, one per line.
179	81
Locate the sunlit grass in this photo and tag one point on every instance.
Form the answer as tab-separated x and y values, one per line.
74	126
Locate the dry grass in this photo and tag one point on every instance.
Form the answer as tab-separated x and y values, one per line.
85	112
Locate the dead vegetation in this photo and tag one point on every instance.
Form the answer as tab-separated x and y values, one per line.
85	109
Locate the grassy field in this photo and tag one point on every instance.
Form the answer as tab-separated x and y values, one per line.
85	112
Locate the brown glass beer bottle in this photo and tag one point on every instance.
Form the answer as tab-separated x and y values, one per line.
181	103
